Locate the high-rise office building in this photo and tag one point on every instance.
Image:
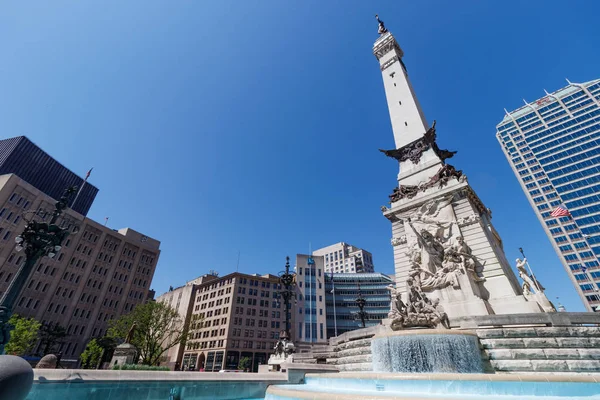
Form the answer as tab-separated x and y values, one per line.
553	147
341	292
343	257
316	316
98	275
20	156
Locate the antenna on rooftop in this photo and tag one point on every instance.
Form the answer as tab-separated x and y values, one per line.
237	266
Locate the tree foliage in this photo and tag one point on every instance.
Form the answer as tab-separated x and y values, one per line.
90	358
23	337
51	336
158	327
108	345
244	363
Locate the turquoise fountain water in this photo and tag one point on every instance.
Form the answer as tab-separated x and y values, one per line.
427	351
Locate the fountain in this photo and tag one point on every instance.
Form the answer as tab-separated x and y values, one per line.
428	350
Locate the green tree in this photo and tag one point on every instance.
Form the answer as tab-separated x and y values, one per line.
24	335
158	327
90	358
244	363
51	335
108	345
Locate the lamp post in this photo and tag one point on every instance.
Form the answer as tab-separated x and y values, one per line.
38	239
360	302
333	293
287	293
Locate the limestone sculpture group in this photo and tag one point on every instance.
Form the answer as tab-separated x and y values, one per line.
438	256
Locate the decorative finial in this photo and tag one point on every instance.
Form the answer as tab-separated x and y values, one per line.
381	29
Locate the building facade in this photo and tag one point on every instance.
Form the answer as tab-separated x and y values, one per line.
98	275
341	292
234	316
181	299
553	147
344	258
326	302
20	156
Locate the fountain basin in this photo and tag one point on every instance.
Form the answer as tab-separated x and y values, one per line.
371	386
427	351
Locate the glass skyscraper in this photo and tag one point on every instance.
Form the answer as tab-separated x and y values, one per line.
20	156
553	147
341	291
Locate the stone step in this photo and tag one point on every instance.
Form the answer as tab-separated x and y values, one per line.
541	342
352	352
546	365
355	367
548	354
350	360
539	331
353	344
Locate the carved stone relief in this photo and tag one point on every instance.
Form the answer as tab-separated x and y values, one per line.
469	220
397	241
441	179
414	150
388	63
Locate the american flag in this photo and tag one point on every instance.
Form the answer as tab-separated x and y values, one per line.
560	211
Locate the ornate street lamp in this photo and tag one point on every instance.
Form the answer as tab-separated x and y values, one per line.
284	346
38	239
360	302
287	281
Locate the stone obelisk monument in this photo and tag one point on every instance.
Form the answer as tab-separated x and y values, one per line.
445	246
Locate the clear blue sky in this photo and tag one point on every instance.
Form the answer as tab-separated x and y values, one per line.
218	126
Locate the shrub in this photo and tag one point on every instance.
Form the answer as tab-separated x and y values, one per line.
139	367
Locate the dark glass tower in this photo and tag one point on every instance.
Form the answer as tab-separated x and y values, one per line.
20	156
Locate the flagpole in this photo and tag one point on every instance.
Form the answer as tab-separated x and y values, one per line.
78	193
585	269
81	188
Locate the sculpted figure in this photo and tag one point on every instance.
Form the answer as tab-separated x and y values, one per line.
528	284
468	259
130	334
523	273
381	28
443	317
432	252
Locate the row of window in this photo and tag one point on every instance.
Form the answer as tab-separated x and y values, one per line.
561	136
578	184
18	200
566	161
574	167
571	146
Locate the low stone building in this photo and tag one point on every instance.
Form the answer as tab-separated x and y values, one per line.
230	317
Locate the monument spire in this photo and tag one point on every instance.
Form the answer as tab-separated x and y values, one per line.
436	216
409	124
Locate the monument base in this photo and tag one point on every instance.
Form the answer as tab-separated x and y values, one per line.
125	353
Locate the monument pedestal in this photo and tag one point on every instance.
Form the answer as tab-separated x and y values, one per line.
125	353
